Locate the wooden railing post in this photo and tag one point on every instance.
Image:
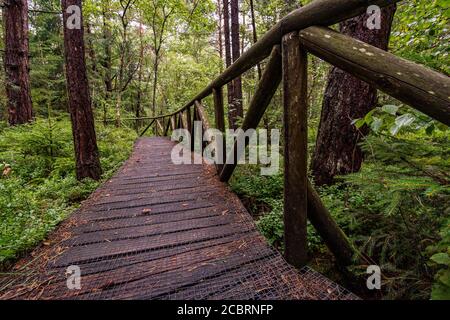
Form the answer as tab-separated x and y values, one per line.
166	131
179	120
157	127
148	127
189	120
172	122
220	121
201	114
295	76
193	133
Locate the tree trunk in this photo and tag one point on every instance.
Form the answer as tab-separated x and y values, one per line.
18	92
228	59
236	110
90	48
141	63
107	60
347	98
255	34
83	129
155	83
220	31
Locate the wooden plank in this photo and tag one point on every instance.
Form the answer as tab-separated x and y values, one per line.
295	87
148	220
106	265
93	252
98	276
150	194
128	252
149	230
424	89
124	204
172	280
130	213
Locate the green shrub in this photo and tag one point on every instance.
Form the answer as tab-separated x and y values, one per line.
440	260
41	190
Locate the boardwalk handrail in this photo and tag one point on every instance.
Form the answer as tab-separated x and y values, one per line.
288	44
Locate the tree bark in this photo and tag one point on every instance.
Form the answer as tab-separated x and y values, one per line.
83	129
220	31
16	61
124	50
228	58
90	48
255	34
236	109
347	98
140	75
107	59
158	39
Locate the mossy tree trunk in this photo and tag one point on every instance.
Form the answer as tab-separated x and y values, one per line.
347	98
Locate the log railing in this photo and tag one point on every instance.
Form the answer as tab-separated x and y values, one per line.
300	33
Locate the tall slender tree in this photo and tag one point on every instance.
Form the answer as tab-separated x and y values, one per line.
255	33
124	56
219	12
83	129
107	56
228	58
16	61
160	16
236	109
347	98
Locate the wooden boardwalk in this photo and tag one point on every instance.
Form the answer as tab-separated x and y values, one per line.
163	231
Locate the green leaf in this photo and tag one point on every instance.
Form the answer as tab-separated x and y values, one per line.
430	129
443	3
445	277
376	124
359	123
405	120
391	109
441	258
402	121
369	117
440	292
